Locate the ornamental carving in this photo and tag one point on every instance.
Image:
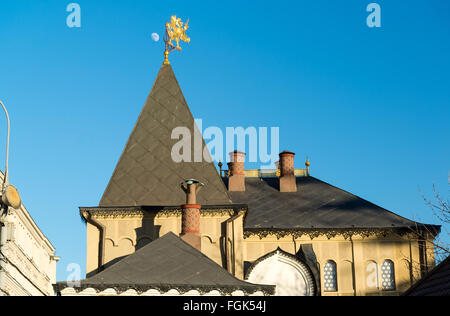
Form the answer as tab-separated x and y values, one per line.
118	213
267	290
328	233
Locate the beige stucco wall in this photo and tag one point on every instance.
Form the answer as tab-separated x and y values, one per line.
30	269
125	234
351	258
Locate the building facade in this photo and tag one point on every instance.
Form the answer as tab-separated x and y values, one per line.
27	258
283	227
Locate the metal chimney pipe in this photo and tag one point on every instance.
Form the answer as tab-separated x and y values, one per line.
190	218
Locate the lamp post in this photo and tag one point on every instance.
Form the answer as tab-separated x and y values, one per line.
9	198
6	179
10	195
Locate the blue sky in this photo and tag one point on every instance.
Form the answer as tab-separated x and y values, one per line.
370	107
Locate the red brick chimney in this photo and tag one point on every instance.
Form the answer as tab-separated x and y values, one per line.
236	176
288	181
190	218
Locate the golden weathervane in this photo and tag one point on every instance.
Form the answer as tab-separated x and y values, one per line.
175	31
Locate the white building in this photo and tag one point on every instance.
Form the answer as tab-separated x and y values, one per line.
27	258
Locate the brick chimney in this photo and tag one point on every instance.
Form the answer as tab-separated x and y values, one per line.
288	181
236	176
190	218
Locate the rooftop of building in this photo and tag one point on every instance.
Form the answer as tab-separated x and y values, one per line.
164	264
316	204
147	175
435	283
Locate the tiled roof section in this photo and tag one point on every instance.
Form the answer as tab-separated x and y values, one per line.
146	173
436	283
316	205
169	261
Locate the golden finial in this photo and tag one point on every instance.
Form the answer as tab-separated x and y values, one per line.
307	164
175	31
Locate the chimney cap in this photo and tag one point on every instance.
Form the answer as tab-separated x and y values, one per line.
193	181
287	152
237	156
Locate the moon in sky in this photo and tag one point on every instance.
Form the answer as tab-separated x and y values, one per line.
155	37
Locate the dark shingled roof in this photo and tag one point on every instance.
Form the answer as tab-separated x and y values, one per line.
168	263
315	205
436	283
146	173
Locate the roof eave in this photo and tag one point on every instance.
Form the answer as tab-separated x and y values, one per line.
164	288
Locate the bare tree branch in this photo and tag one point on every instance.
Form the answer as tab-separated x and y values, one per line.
440	208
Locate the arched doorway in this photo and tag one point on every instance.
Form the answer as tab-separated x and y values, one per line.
291	276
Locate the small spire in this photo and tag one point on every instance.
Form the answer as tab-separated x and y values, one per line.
220	167
307	164
175	31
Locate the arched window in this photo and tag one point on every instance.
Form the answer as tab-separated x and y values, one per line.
330	277
291	276
388	276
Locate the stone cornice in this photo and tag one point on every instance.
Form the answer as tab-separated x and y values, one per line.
329	233
158	212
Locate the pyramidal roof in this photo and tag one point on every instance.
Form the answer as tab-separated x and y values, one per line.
168	262
146	174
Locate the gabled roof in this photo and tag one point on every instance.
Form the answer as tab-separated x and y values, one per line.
146	173
316	204
436	283
168	263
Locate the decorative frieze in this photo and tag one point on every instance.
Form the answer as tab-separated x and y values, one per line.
142	213
162	290
328	233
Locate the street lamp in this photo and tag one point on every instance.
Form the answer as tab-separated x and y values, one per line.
10	195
